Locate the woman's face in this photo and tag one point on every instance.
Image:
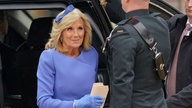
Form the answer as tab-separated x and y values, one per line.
73	36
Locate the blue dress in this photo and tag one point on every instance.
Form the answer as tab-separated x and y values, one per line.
63	79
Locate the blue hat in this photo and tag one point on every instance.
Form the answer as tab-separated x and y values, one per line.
67	10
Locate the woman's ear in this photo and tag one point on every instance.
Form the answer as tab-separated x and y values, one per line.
61	40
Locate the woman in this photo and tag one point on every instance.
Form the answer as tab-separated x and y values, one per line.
67	68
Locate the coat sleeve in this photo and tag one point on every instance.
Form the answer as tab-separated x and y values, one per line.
173	21
46	78
182	99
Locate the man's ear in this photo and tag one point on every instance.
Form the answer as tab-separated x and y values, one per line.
126	1
123	1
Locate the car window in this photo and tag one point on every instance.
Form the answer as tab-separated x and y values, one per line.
116	14
19	24
166	11
42	13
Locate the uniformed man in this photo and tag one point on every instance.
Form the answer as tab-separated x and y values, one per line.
133	81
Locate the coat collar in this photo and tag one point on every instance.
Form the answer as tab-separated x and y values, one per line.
137	13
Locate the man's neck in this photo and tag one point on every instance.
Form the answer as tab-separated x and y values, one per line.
136	6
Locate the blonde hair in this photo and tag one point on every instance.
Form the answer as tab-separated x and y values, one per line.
67	21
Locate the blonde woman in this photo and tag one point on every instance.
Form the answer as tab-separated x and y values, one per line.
67	68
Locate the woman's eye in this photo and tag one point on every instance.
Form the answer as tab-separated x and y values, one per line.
80	28
68	29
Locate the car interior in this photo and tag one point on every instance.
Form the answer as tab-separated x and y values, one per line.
28	31
20	77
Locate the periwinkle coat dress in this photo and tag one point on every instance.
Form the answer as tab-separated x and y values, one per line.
62	79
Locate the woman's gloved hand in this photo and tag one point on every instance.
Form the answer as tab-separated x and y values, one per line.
89	102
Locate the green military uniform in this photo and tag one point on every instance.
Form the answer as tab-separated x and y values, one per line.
133	81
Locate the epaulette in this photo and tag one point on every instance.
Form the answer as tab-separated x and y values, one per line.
121	23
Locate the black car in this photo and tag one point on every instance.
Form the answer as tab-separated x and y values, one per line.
30	23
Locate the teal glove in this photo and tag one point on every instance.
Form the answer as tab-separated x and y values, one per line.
89	102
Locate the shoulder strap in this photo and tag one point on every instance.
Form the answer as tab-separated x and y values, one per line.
142	30
144	33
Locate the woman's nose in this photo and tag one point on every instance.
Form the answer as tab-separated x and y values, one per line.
75	32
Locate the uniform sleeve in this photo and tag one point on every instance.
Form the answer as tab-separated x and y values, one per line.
46	77
123	51
183	99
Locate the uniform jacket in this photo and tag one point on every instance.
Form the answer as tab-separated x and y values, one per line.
184	66
133	81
